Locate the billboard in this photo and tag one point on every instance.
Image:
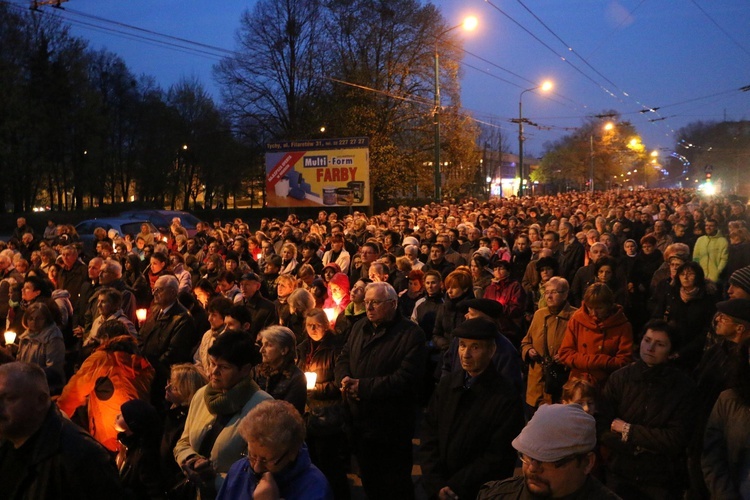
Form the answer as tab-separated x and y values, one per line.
318	173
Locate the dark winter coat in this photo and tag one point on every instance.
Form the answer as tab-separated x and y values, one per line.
262	311
693	320
66	464
467	433
658	403
450	314
726	447
389	361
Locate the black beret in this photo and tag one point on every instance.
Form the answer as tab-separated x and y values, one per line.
735	308
476	329
491	308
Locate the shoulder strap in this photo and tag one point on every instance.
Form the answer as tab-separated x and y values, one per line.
214	430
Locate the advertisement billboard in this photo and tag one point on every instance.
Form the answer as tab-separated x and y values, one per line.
318	173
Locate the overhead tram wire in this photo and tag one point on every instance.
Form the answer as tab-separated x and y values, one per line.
720	28
583	59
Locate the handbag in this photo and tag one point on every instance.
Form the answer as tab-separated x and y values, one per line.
554	374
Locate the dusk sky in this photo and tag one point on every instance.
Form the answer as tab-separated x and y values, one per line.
687	57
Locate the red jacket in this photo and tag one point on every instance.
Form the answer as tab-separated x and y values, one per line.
594	350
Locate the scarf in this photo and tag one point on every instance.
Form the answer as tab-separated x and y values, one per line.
687	296
232	401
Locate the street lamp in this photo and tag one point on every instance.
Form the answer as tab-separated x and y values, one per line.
544	87
607	127
468	24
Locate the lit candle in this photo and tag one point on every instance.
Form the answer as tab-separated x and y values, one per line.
257	255
10	337
141	315
311	377
330	313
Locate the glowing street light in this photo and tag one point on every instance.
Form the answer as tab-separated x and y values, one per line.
607	127
546	86
469	24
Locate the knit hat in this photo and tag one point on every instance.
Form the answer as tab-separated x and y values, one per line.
556	432
741	278
140	416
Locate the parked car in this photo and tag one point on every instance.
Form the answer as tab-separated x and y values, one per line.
123	226
162	219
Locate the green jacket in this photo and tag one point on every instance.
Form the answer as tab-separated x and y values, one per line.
712	252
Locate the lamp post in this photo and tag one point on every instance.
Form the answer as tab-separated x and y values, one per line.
607	127
468	24
544	87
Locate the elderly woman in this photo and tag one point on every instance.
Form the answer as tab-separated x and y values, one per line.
210	442
184	381
42	343
278	464
325	416
542	341
113	374
649	407
277	374
598	339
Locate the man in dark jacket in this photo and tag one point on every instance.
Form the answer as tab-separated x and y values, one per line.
262	310
712	377
438	262
168	336
556	449
379	371
472	418
572	253
73	274
43	454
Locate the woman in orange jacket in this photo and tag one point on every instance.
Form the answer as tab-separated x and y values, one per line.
598	339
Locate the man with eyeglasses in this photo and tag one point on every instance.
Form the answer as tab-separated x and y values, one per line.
379	370
732	325
556	450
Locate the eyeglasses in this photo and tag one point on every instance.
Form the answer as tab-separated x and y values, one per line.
375	303
526	460
265	462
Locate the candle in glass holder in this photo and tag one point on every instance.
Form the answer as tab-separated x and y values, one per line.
141	315
258	255
10	337
330	313
311	377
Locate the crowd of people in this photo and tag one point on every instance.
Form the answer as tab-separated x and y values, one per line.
597	342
